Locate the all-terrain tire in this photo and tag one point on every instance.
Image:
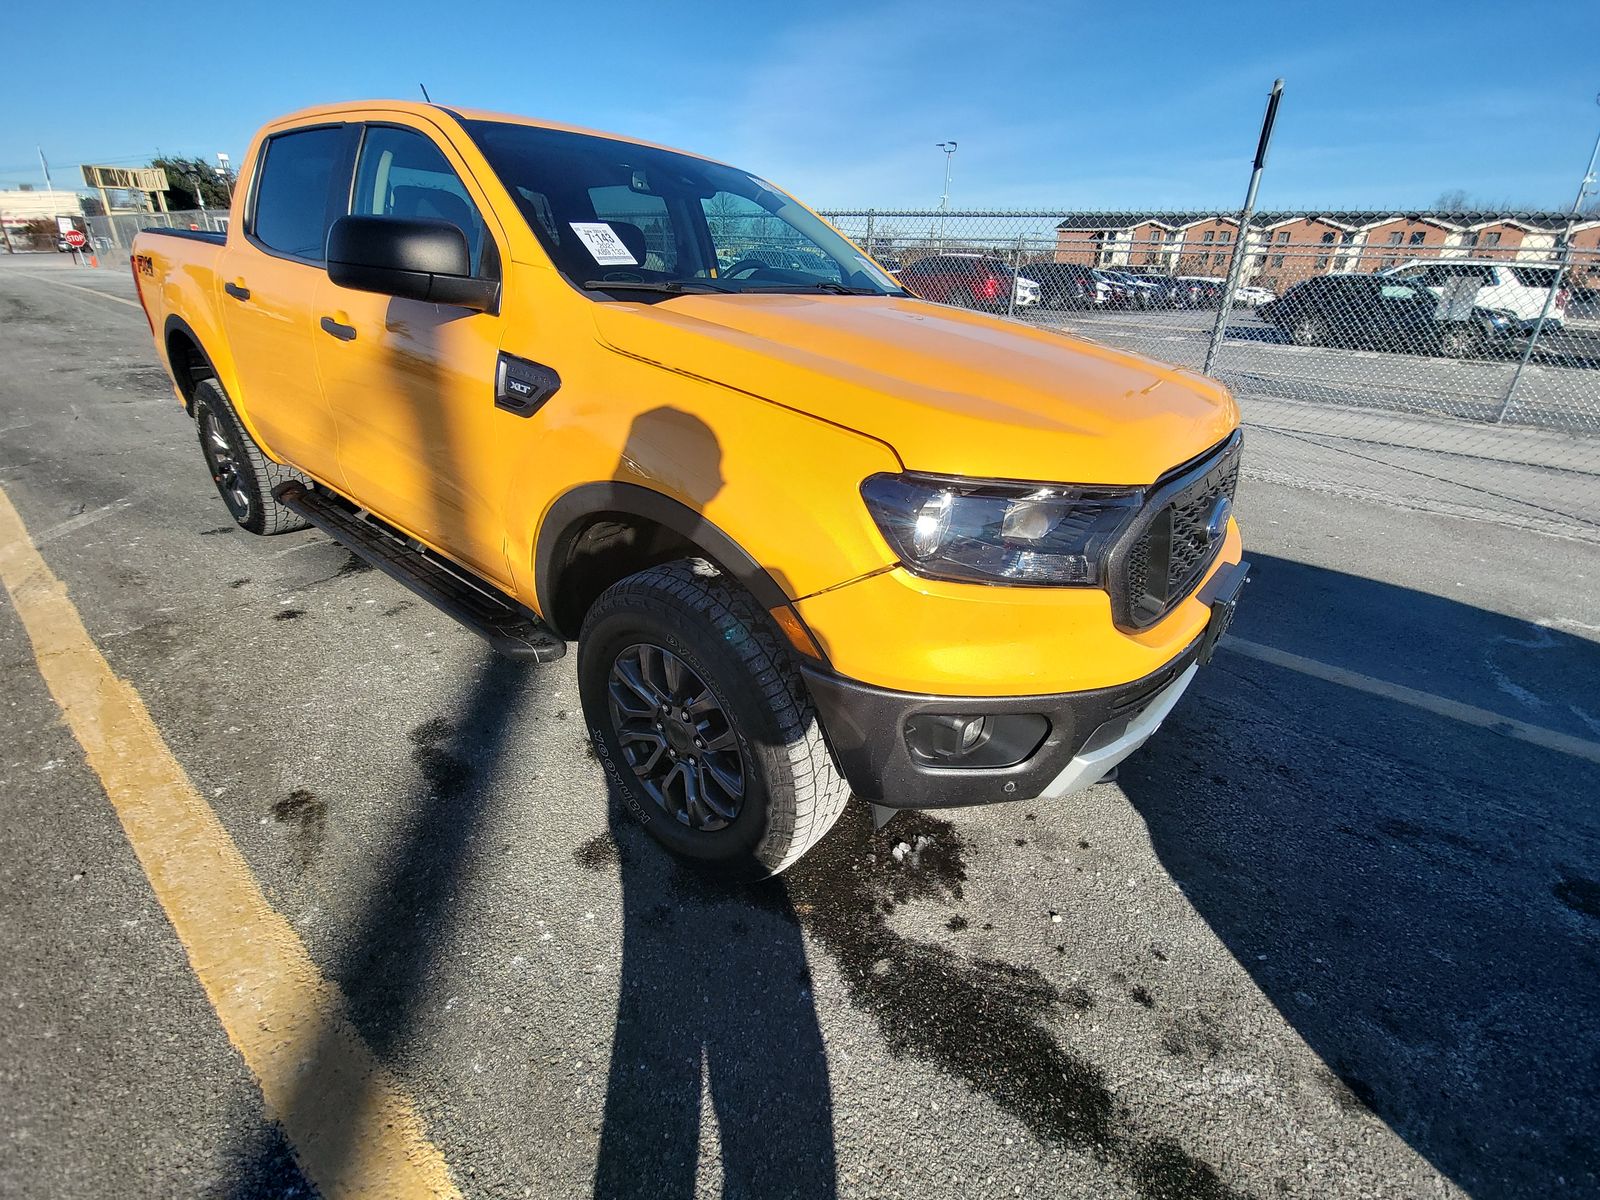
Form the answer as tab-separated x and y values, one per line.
793	793
244	475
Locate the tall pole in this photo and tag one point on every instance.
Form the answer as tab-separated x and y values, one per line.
48	186
1236	265
949	148
1555	284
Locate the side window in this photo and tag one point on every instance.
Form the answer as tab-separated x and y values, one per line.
401	173
291	206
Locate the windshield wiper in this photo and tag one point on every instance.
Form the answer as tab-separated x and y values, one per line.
822	285
671	287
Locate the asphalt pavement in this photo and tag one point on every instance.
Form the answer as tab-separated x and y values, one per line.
1559	389
1335	932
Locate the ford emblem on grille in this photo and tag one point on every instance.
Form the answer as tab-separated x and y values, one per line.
1217	520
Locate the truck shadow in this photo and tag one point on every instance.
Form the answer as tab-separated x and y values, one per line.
1419	899
395	942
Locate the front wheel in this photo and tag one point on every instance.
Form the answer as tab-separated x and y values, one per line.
702	723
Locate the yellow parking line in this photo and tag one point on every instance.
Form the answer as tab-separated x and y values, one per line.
354	1130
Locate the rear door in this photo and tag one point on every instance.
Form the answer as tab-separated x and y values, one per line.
270	277
411	385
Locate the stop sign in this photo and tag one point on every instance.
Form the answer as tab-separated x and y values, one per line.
76	238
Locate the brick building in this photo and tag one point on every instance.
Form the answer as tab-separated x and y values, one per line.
1283	249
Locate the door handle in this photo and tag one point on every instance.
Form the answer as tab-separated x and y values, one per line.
237	292
345	333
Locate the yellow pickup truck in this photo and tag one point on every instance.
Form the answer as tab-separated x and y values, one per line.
812	535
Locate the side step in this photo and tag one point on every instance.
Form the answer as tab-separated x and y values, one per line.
509	627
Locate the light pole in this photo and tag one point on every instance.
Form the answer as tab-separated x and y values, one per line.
949	148
222	174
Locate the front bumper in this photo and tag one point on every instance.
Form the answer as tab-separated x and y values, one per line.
1090	732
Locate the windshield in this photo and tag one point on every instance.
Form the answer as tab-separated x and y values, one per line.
614	212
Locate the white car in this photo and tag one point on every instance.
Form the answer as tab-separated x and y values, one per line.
1516	290
1027	292
1251	295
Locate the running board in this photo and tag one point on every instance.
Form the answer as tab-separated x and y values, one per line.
510	628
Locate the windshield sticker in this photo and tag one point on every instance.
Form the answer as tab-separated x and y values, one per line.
604	244
875	272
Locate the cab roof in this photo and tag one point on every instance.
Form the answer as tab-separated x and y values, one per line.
417	108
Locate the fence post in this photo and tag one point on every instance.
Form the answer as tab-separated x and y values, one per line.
1550	297
870	213
1016	277
1236	263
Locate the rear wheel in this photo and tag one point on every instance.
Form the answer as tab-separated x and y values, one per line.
1460	340
1308	331
703	724
244	476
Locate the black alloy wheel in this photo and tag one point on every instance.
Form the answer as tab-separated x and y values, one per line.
675	737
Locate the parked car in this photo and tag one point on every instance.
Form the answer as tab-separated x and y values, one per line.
1138	291
1380	313
1170	292
1252	296
1517	288
780	514
1205	291
969	281
1067	285
1120	291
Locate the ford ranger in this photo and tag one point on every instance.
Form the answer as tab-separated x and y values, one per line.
813	536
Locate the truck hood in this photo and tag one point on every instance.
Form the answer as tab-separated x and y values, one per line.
950	391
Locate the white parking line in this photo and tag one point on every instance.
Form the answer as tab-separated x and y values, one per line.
79	521
79	288
1467	714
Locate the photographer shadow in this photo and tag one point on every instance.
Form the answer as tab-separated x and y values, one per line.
714	1003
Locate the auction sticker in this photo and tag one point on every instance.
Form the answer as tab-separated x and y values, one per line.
604	244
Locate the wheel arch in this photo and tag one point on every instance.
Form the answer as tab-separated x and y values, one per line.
599	533
187	360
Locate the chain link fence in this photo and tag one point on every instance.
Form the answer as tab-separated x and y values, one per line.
116	232
1440	361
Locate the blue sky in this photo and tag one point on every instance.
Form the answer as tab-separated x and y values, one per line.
1054	105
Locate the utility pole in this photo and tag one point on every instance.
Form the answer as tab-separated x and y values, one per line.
48	186
1241	241
949	148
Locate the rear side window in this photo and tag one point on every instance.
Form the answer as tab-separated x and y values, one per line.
291	213
401	173
1535	277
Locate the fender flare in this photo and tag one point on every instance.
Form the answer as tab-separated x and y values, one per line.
176	324
572	512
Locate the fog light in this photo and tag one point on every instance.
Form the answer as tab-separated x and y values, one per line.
974	740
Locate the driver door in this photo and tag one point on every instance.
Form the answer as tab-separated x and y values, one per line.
411	384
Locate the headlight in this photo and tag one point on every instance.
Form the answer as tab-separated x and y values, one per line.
969	529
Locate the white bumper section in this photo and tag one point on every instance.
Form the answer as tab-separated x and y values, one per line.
1117	739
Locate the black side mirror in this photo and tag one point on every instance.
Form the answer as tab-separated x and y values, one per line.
411	258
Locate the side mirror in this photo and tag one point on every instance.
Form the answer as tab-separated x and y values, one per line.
414	259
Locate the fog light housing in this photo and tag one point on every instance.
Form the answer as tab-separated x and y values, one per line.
972	740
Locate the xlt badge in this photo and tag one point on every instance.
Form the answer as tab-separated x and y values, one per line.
522	387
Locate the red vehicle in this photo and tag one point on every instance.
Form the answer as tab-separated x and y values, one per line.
968	280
